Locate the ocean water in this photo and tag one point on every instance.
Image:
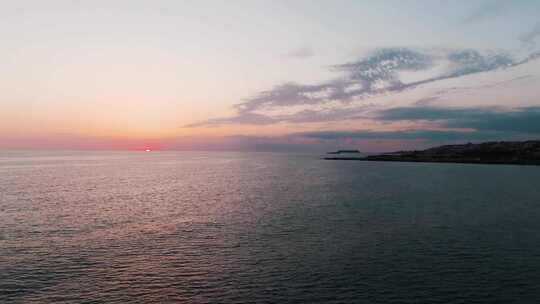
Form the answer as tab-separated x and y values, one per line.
216	227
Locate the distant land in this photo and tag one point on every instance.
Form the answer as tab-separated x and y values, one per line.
509	152
344	152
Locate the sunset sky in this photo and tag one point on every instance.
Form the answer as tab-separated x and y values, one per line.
267	75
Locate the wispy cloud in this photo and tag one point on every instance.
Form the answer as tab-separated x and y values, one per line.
382	67
530	37
305	116
301	53
489	9
245	118
376	74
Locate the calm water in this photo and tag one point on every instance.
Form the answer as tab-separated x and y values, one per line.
264	228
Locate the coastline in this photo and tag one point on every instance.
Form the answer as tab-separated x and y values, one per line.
493	153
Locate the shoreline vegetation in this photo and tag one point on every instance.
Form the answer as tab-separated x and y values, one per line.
509	152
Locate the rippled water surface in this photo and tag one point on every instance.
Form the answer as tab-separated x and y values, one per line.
208	227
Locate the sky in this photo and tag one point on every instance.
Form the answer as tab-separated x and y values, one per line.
267	75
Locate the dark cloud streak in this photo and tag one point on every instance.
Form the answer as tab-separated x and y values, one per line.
463	124
522	120
431	136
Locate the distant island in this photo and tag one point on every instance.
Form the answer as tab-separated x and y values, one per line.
509	152
344	152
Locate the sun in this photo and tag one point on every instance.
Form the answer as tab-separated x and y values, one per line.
148	150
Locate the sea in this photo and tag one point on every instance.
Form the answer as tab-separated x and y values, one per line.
238	227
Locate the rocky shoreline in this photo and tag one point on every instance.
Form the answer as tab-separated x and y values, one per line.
518	153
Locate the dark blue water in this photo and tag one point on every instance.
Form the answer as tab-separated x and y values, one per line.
264	228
